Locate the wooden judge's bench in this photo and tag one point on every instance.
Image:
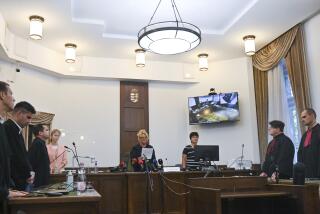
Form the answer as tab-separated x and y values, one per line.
224	192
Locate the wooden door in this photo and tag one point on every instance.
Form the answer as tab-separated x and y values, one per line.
134	114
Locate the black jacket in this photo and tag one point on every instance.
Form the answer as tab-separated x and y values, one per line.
310	156
136	153
39	159
19	163
280	155
4	165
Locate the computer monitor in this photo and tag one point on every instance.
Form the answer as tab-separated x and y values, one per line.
207	152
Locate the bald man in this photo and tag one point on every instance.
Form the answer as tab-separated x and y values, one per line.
309	149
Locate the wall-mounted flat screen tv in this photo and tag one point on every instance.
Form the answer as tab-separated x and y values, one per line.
214	108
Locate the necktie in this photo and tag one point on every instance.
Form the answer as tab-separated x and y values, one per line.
307	140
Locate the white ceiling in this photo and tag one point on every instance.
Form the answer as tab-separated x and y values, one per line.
105	28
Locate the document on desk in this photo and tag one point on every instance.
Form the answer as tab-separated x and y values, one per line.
147	153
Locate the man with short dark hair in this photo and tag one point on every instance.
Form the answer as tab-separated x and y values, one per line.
21	170
6	105
38	155
189	155
309	149
280	153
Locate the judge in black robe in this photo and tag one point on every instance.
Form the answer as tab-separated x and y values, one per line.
135	155
38	156
309	148
137	161
19	164
4	165
280	152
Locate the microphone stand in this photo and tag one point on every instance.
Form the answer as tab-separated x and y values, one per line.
75	149
74	155
241	160
149	185
57	158
161	186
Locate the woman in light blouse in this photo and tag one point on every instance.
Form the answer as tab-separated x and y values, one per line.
57	153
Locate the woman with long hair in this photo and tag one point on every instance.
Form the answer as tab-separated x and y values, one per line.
57	153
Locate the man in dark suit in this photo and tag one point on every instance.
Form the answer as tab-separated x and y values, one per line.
38	155
21	170
280	153
309	149
6	105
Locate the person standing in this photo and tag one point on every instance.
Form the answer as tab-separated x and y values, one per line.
6	104
38	155
138	162
21	170
309	148
57	153
189	154
280	153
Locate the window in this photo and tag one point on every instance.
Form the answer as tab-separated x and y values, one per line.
293	116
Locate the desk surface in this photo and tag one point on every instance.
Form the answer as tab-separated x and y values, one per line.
88	196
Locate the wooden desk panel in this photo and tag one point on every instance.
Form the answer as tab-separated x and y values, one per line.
307	196
112	188
125	192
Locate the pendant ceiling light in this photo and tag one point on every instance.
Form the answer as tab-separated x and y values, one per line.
70	52
203	62
249	45
140	57
36	27
169	37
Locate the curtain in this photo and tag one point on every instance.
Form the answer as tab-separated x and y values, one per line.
298	74
261	95
289	46
268	57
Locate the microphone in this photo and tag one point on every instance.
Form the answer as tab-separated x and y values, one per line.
74	155
160	161
123	166
154	165
58	156
140	162
75	148
134	161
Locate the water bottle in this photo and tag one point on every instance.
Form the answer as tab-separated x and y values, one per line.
96	167
69	182
81	183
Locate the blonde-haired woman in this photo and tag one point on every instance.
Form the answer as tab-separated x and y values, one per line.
57	153
135	154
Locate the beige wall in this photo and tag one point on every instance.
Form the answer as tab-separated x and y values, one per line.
90	108
312	35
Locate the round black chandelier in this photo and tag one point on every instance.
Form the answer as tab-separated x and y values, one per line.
169	37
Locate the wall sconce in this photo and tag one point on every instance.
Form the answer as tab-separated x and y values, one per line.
249	45
36	27
203	62
70	52
140	58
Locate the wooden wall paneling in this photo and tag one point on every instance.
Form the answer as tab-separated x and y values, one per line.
134	114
